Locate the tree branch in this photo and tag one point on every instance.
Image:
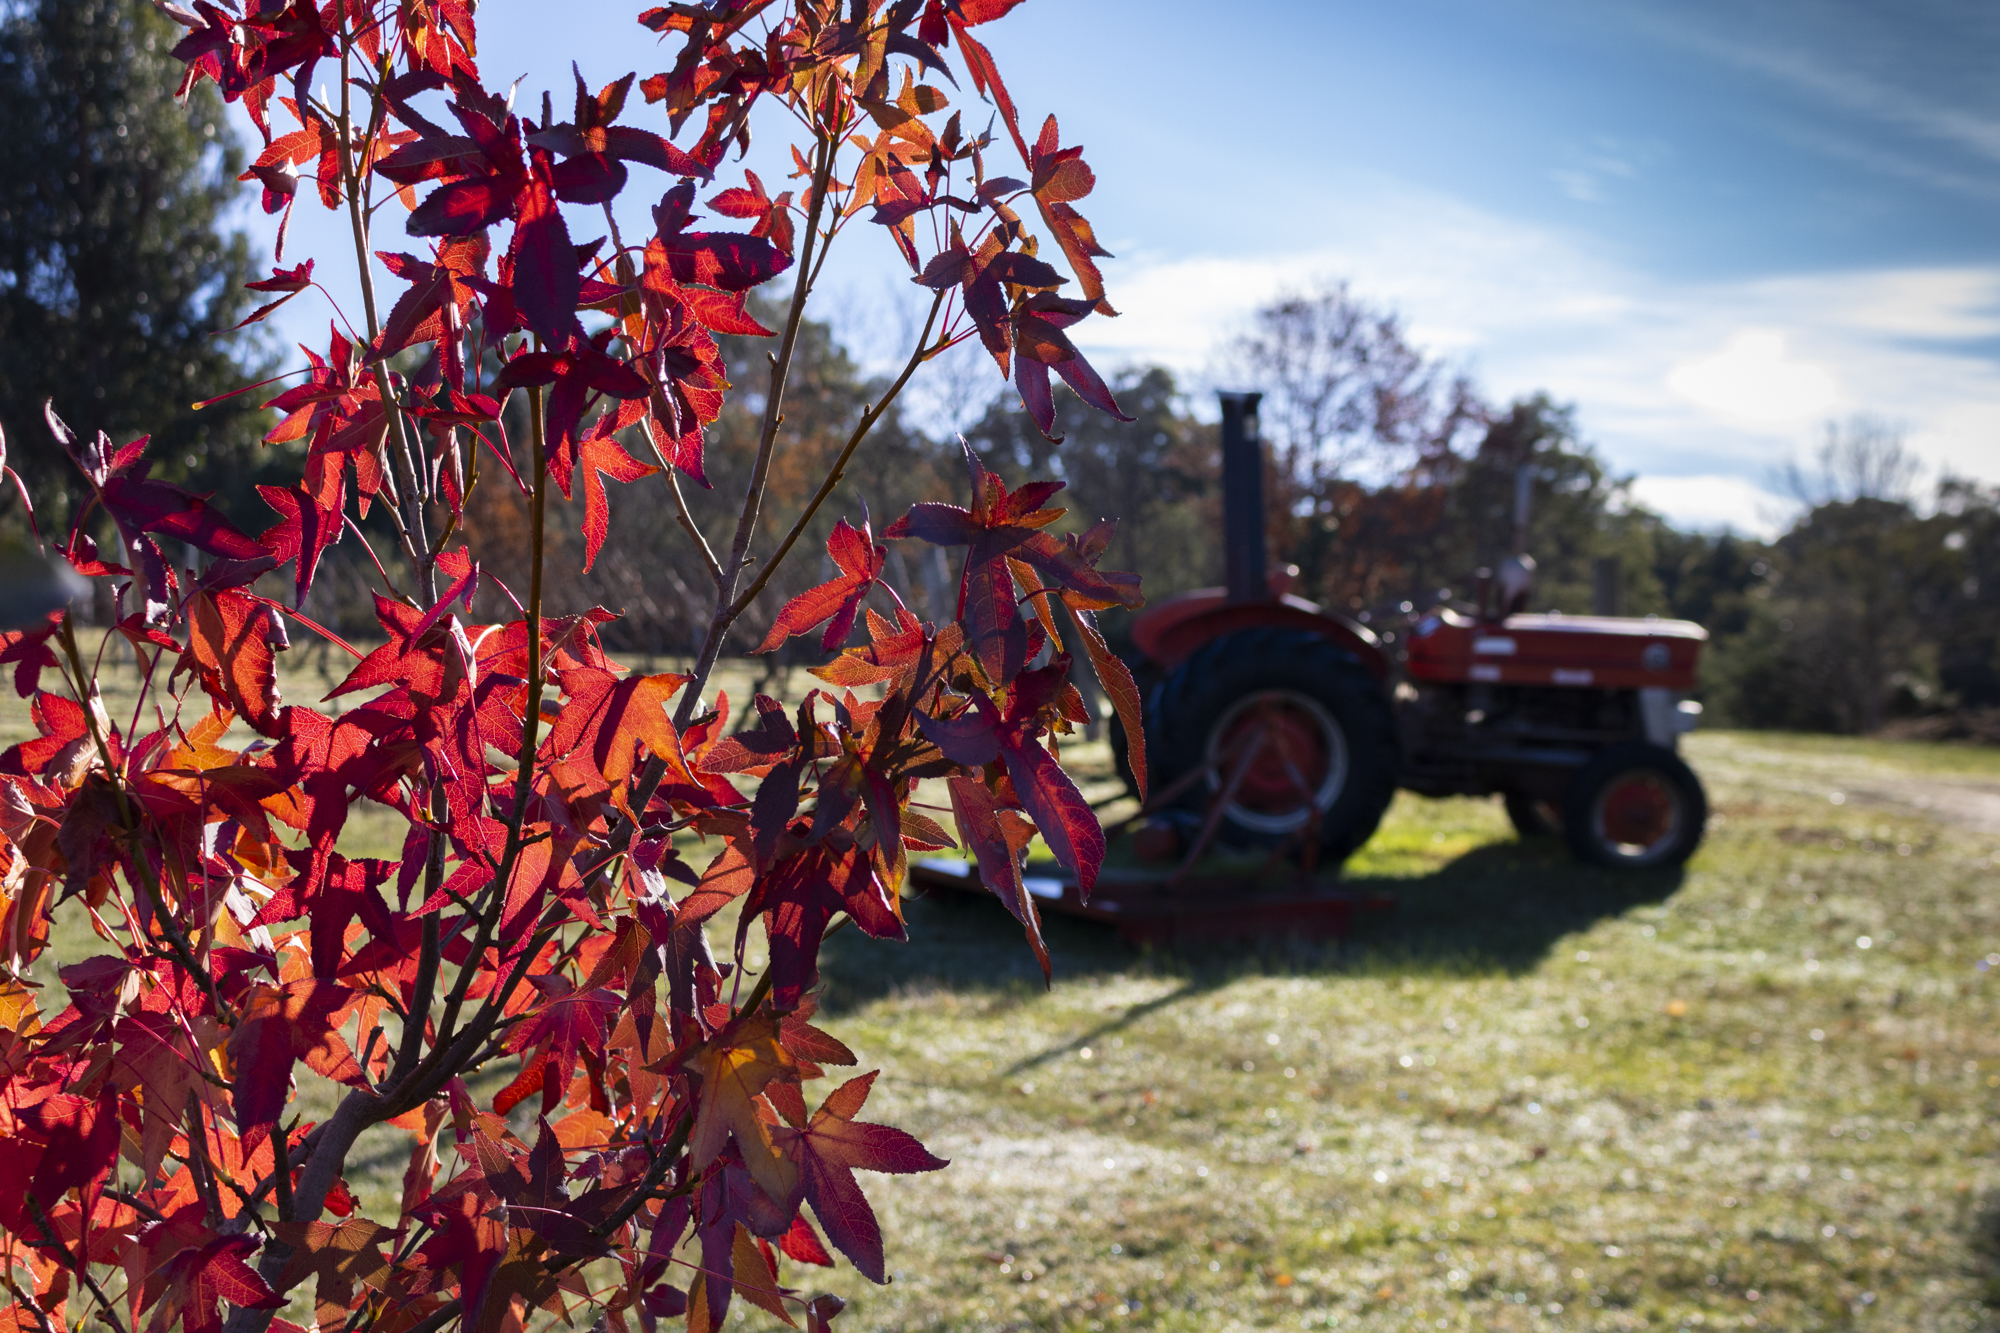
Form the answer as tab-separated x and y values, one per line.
409	526
524	774
760	473
839	469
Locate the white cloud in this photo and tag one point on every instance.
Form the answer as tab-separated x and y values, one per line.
1674	381
1753	377
1713	502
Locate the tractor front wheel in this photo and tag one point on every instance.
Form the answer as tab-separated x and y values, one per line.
1290	731
1634	806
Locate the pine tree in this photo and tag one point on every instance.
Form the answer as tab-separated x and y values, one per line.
116	270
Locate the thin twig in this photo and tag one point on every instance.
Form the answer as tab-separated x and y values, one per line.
198	1160
78	1263
410	525
682	513
281	1169
760	473
834	475
425	988
627	277
26	1301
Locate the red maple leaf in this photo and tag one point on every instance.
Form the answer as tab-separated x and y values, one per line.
141	508
734	1068
568	1021
196	1282
329	892
433	308
754	749
471	1239
290	281
64	729
596	149
601	456
156	1059
1042	346
29	650
281	1025
484	169
607	715
983	733
79	1137
577	372
338	411
1061	177
799	899
724	260
859	558
830	1149
233	640
543	273
998	839
303	531
1116	678
774	217
984	276
342	1255
1003	524
901	651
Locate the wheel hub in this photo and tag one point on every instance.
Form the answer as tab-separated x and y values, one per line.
1285	756
1638	815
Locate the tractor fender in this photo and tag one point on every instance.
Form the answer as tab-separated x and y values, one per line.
1171	631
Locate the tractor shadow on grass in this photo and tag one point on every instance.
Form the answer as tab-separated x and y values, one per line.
1500	908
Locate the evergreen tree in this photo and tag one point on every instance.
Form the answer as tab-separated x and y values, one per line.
115	270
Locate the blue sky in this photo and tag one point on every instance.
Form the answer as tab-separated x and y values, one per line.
1710	225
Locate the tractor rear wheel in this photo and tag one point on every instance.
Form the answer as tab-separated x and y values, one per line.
1634	806
1292	730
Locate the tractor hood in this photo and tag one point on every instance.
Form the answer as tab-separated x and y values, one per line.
1599	652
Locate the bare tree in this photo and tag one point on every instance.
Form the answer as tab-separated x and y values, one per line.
1345	392
1861	458
1352	410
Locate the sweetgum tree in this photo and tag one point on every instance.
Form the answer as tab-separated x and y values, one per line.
570	826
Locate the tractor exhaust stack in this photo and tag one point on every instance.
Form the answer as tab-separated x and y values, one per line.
1243	530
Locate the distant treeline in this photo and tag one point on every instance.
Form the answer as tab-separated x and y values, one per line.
1872	609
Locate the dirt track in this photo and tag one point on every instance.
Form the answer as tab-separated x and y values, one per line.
1894	777
1968	804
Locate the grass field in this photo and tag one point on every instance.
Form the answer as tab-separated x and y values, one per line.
1762	1093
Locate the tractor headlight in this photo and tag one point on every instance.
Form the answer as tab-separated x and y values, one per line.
1687	715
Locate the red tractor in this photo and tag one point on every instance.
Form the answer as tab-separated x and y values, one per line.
1272	721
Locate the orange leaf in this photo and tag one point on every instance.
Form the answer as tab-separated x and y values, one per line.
734	1069
753	1278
